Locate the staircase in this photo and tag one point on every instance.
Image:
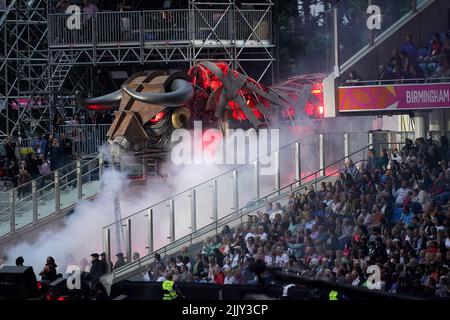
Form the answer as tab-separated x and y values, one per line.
62	64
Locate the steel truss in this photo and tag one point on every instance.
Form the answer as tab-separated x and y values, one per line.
41	59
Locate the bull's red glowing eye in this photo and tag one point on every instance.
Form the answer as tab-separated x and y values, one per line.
61	299
157	117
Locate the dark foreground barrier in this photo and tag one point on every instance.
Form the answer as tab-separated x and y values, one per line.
136	290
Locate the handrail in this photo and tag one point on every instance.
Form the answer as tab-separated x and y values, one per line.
219	176
278	193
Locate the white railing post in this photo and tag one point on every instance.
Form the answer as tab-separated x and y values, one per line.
346	145
172	220
57	193
322	155
235	190
34	199
297	161
193	210
214	202
257	182
129	253
277	172
150	230
12	214
79	181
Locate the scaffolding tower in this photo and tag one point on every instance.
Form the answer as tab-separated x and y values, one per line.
43	62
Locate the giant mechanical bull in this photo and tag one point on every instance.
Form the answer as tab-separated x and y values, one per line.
150	106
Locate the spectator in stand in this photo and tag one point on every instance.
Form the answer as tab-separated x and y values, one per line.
44	167
24	188
13	173
58	121
97	270
56	155
89	9
409	49
41	145
396	60
436	49
76	132
20	261
353	78
33	166
10	149
49	271
106	265
120	262
66	145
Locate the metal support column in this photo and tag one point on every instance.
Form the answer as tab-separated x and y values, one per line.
336	23
150	230
128	251
107	247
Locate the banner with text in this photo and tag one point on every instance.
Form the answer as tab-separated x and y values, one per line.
398	97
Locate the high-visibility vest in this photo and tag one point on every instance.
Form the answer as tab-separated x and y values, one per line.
333	295
168	291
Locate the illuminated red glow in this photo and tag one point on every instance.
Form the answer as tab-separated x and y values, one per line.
96	107
157	117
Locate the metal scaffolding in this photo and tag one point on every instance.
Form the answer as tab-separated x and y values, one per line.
43	62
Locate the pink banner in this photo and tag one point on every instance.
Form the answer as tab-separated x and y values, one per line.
394	97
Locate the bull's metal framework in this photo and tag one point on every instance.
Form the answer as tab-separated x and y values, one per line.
43	63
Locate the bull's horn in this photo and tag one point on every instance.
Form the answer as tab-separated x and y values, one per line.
111	100
182	92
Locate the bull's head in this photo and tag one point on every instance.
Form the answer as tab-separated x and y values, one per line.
149	107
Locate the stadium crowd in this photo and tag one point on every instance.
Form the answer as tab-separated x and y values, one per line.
391	212
411	63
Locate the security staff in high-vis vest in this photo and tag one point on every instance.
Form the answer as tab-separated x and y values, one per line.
170	291
335	295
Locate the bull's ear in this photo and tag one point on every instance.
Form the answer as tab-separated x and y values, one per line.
107	102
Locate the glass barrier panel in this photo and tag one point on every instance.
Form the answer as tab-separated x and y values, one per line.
5	215
183	214
24	210
46	196
161	225
225	195
68	188
139	234
204	204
